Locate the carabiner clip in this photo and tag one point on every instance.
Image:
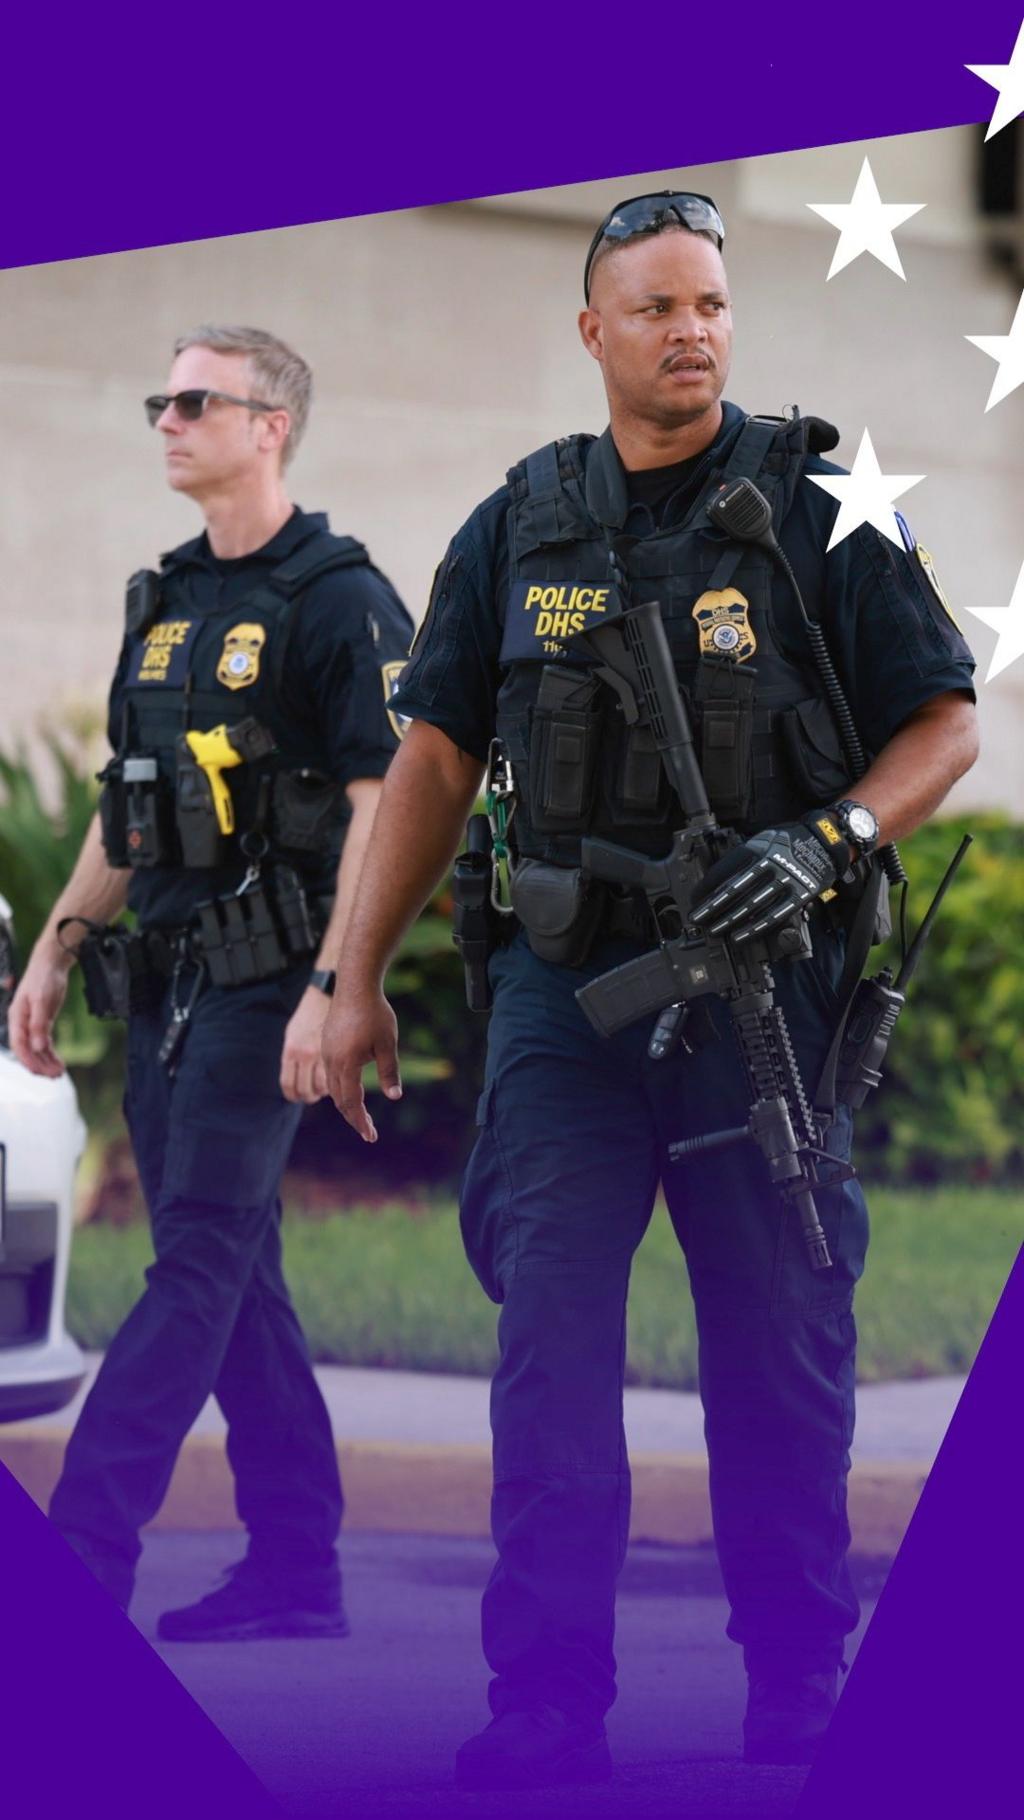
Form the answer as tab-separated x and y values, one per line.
499	801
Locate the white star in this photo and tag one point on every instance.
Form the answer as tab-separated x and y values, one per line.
1009	623
1008	350
865	224
1008	79
865	495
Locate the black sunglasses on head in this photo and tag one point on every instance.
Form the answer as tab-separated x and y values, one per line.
651	215
191	404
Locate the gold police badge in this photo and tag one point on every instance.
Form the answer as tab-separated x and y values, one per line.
239	664
723	625
391	676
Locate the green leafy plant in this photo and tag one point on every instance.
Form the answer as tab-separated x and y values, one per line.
951	1104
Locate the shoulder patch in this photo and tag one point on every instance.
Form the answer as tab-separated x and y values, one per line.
391	677
924	562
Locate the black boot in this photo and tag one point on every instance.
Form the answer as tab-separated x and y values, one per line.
532	1747
257	1600
787	1716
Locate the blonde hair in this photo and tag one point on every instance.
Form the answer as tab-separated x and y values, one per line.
280	376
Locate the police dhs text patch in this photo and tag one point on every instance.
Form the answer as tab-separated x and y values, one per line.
162	658
543	614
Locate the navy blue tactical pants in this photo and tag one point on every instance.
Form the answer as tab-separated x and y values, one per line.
211	1144
557	1196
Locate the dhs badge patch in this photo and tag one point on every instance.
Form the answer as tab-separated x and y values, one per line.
722	616
542	615
239	664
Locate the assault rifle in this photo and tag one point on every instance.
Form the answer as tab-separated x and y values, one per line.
633	658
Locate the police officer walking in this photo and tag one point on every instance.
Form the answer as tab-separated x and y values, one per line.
250	725
574	1127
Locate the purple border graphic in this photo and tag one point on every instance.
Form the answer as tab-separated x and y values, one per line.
124	143
93	1722
115	140
930	1720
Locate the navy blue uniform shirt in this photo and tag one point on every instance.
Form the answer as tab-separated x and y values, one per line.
893	643
346	626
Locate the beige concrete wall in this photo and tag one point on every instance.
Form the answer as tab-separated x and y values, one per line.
444	346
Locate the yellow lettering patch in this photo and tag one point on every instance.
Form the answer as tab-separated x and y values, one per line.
542	615
162	658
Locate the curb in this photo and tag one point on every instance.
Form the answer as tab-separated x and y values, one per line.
403	1488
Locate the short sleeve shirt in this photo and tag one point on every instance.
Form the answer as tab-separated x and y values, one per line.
894	643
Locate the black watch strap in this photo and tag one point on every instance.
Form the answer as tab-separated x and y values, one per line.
323	980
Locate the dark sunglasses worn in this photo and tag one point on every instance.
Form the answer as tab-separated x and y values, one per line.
651	215
190	405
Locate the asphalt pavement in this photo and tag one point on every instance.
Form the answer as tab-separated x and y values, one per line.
366	1728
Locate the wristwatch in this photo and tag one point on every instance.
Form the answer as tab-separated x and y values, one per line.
323	980
859	824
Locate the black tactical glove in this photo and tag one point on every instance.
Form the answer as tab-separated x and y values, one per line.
770	878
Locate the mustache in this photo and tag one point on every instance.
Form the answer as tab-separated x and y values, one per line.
672	360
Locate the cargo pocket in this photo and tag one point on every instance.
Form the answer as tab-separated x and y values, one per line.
485	1208
228	1144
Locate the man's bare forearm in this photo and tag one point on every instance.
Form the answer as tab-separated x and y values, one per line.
364	795
427	795
919	766
95	890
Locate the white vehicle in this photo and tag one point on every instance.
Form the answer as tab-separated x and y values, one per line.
41	1140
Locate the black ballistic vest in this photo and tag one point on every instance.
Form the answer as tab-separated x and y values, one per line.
768	745
193	671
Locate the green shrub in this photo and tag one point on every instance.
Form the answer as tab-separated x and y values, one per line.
38	848
950	1107
951	1103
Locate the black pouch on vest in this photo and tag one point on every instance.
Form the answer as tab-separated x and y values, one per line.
238	939
724	702
134	809
559	908
202	843
294	914
564	742
637	790
304	810
141	602
814	752
116	973
259	934
113	812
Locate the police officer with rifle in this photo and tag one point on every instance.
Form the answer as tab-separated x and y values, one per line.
700	729
251	726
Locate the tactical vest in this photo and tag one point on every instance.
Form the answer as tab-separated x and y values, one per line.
190	672
768	745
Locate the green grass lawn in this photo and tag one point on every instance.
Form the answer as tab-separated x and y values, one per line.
390	1286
